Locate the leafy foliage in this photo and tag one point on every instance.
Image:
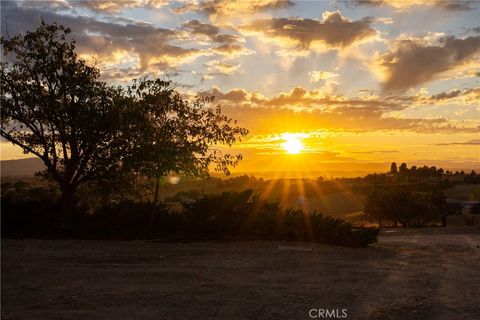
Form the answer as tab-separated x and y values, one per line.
55	107
173	135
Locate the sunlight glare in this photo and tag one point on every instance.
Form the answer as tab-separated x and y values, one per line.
292	145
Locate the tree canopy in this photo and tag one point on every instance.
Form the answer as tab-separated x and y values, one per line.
173	135
55	107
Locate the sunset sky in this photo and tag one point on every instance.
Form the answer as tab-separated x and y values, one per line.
325	87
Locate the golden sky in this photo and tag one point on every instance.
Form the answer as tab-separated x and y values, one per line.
326	87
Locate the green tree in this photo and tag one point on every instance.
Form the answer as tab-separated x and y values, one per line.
55	107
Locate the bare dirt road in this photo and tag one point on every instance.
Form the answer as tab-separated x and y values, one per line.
409	274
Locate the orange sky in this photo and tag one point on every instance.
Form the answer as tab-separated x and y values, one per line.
358	84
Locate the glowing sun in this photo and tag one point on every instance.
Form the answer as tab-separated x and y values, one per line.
292	145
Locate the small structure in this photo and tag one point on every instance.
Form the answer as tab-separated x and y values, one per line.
471	212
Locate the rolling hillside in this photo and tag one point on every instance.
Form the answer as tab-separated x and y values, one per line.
21	167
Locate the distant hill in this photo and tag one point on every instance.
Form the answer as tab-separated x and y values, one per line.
21	167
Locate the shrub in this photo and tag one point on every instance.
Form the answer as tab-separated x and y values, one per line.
226	216
131	220
242	215
27	210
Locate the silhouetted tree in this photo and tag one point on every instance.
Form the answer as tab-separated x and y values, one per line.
54	107
174	135
403	168
393	168
405	206
413	170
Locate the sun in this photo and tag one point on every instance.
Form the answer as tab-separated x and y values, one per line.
293	145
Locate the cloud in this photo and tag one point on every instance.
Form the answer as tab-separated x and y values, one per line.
232	50
407	4
232	8
300	98
334	31
101	6
117	6
473	142
374	151
306	110
210	31
219	68
465	96
225	44
385	20
412	62
153	48
316	76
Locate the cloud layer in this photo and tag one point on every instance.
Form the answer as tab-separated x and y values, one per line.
412	62
232	8
302	109
333	30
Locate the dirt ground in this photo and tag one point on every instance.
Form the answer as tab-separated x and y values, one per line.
409	274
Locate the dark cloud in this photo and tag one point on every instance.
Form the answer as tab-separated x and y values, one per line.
334	30
447	95
463	97
412	63
300	97
451	5
154	46
206	29
225	44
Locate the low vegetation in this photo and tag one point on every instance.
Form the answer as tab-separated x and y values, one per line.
225	216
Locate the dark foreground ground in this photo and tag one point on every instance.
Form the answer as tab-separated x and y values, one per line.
409	274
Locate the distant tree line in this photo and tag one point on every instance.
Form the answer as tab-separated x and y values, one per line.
406	207
425	171
415	171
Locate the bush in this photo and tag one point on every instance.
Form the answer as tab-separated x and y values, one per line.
136	220
226	216
27	210
234	215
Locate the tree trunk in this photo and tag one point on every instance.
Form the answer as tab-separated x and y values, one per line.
157	190
152	210
68	207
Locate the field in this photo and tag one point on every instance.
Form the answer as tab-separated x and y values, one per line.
409	274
